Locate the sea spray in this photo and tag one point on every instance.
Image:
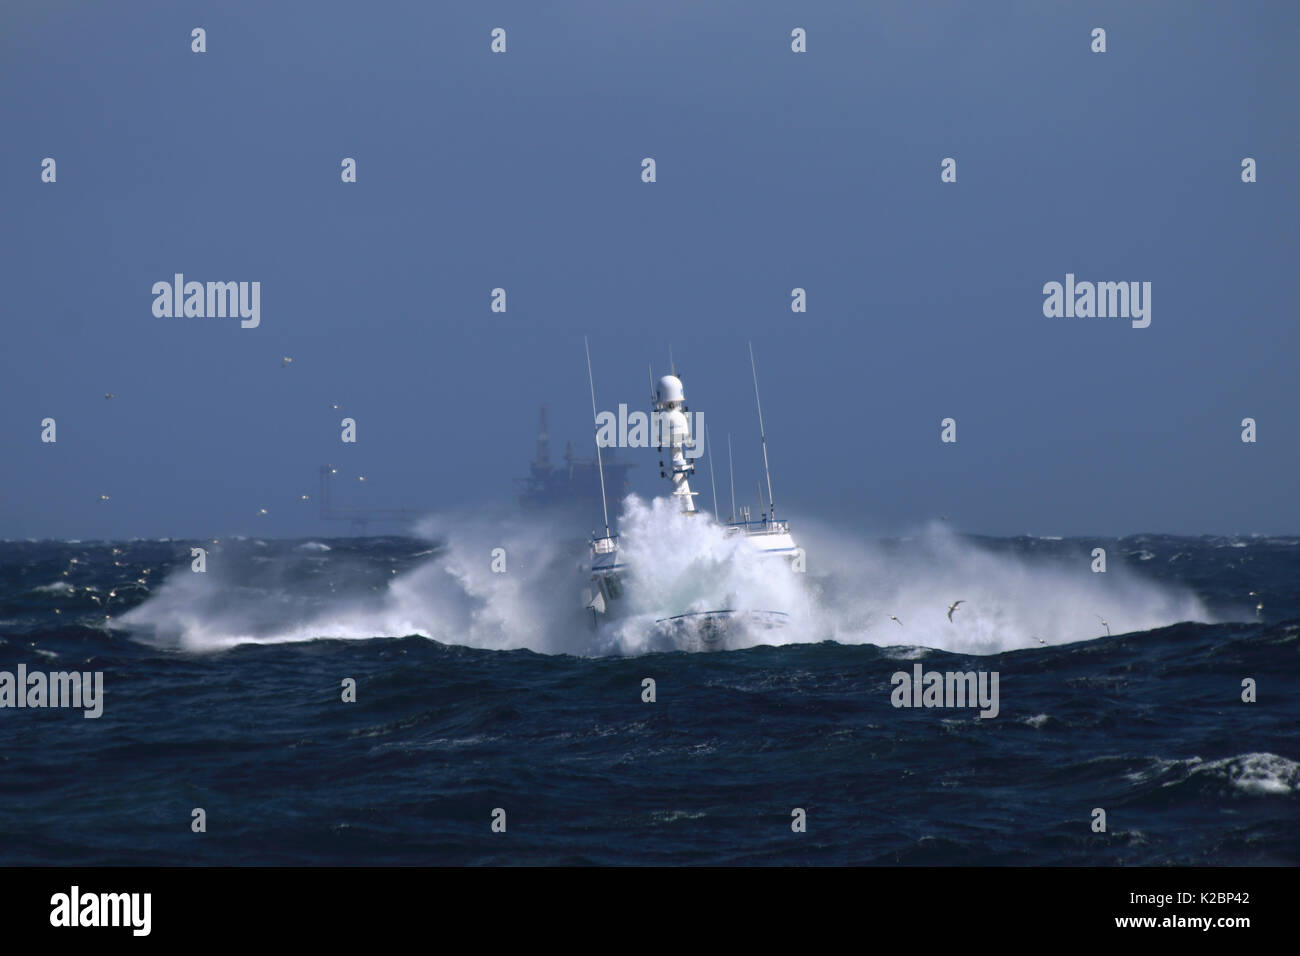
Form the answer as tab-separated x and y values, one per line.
685	564
1009	601
516	583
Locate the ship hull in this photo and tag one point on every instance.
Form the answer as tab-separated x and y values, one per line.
720	629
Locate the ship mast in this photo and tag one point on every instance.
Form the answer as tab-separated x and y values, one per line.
763	435
731	470
709	445
674	430
600	465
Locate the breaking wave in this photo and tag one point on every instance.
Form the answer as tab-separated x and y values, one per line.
517	584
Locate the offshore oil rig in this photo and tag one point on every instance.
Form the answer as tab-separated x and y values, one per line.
360	518
573	486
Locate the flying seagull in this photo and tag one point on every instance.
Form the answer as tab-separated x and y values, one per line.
1104	624
1039	639
108	395
896	620
104	497
285	361
952	607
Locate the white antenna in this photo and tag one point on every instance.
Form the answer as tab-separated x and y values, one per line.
762	434
709	445
596	425
731	469
653	397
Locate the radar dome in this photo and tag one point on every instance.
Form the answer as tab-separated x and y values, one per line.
670	390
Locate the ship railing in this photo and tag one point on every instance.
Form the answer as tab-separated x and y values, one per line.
761	526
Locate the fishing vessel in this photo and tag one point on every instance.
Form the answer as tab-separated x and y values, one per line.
767	535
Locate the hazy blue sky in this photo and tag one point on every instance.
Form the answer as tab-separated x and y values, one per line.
775	170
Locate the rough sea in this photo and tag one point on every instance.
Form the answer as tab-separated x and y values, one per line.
482	694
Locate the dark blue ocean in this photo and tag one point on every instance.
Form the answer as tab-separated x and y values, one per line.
1149	726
